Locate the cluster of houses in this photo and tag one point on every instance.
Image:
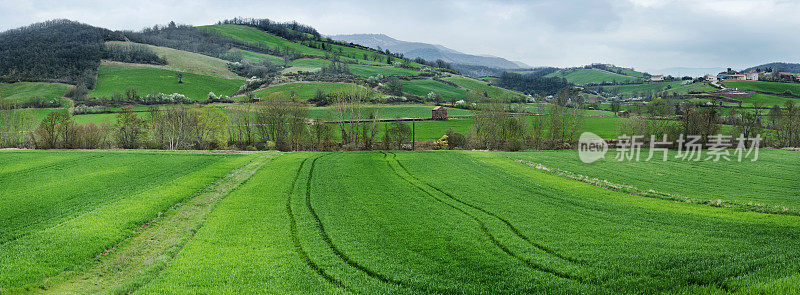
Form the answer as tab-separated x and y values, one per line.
733	76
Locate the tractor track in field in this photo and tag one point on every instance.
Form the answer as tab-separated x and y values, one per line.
482	225
296	238
508	224
341	255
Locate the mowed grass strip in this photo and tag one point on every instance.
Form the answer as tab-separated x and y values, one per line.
246	244
59	221
149	251
117	78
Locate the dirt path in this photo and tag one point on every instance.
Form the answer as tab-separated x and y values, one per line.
141	258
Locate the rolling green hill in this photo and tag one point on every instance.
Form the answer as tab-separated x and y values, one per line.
255	36
190	62
116	78
585	76
477	85
423	87
22	92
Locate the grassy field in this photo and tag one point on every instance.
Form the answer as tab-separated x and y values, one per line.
774	87
477	85
395	111
309	62
768	100
257	57
23	91
643	88
366	71
113	78
585	76
190	62
58	221
303	90
425	86
388	222
256	36
768	181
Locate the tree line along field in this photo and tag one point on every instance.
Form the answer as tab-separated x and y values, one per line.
376	222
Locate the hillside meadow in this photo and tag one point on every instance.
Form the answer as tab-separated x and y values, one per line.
117	78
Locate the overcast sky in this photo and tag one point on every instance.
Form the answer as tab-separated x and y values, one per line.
645	34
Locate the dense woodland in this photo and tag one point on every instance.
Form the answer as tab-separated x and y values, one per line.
53	51
533	85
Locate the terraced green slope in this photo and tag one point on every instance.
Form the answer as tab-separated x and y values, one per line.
116	78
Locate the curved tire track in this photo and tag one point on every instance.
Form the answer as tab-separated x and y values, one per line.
482	225
341	255
296	238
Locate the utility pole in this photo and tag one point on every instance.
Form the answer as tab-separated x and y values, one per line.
413	134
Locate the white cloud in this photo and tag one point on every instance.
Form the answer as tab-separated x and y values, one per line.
639	33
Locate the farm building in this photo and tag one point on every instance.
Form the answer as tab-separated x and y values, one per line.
623	114
439	113
657	78
711	78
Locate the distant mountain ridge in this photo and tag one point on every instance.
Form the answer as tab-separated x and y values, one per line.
430	52
780	66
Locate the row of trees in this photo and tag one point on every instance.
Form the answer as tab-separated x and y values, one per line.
132	53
